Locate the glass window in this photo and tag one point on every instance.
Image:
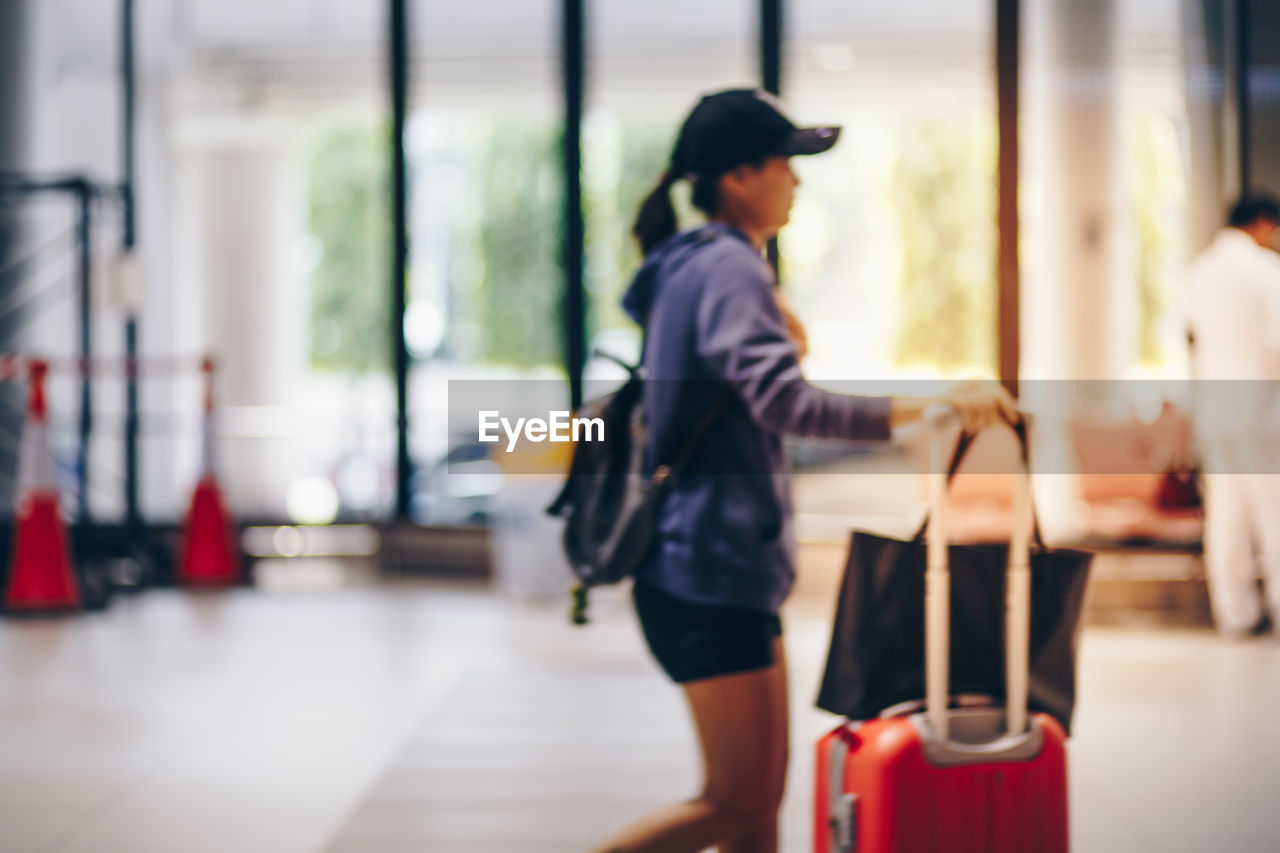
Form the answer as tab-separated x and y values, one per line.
280	258
648	63
485	283
349	396
890	257
1153	139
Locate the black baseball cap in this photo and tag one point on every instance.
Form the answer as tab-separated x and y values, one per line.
727	129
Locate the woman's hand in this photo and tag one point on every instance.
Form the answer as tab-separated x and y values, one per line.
978	403
795	329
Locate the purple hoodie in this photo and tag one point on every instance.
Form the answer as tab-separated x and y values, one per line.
706	298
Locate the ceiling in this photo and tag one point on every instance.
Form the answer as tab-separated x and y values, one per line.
317	51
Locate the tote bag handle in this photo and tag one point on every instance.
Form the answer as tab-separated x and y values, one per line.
938	581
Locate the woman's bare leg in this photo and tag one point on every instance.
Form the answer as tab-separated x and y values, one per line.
763	838
741	722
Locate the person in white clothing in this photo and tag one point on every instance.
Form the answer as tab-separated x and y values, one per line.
1233	310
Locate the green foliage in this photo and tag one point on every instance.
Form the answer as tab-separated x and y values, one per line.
1158	192
508	228
348	214
622	163
944	179
517	306
516	309
943	201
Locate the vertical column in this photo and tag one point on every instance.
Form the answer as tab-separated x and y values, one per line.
1237	103
1205	83
1009	312
128	244
771	45
1074	328
17	118
1260	129
398	40
149	283
17	71
1072	294
247	215
84	200
573	65
771	81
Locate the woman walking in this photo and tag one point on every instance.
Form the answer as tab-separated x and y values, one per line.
716	334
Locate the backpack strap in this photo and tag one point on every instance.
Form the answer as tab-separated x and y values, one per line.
662	474
663	477
632	369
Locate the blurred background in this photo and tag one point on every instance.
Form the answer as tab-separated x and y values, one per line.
260	173
348	205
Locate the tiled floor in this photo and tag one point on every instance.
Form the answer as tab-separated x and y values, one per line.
434	717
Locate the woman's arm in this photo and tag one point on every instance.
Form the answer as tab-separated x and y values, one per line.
743	338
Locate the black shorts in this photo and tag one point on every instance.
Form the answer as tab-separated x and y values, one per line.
696	641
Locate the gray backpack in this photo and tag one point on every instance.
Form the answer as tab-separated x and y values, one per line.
608	502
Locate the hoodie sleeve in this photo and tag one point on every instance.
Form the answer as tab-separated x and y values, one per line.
742	339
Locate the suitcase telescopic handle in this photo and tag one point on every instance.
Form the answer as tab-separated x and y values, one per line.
938	419
937	577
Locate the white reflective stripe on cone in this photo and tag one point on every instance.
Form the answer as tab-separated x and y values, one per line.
207	461
35	462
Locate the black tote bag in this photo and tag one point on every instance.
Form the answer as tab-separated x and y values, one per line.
876	659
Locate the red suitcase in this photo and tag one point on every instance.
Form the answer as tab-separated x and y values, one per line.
950	778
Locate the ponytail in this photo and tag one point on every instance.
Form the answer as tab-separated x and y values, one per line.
656	220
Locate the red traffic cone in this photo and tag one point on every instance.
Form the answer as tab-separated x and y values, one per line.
208	556
41	578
